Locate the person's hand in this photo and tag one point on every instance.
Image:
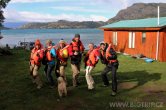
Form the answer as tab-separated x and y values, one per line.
38	55
110	45
98	58
75	53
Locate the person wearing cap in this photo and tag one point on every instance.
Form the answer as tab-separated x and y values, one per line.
103	48
50	54
90	60
76	49
62	57
109	58
35	63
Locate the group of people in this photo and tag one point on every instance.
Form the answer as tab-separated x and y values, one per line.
57	56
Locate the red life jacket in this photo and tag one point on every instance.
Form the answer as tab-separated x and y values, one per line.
77	46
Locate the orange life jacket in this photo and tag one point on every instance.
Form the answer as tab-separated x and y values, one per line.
86	58
108	54
77	46
48	54
61	55
93	57
36	56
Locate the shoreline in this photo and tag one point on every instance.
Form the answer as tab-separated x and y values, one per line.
13	36
51	29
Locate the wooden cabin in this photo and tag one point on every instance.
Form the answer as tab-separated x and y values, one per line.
142	36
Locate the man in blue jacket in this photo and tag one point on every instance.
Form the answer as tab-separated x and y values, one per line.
50	54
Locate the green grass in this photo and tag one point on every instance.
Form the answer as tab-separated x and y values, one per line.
138	82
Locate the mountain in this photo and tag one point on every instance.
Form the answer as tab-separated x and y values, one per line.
139	11
13	24
63	24
136	11
4	28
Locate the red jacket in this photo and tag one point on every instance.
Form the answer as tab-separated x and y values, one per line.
75	46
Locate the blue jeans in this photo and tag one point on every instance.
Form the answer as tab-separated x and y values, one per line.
48	70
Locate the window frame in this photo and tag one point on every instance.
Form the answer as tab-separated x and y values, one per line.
132	40
115	38
143	37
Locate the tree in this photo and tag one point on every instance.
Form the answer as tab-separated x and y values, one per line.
3	4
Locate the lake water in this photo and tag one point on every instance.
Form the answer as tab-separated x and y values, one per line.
12	37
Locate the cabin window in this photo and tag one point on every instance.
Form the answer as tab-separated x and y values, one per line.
131	39
115	38
143	37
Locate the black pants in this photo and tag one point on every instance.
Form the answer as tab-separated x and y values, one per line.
57	68
48	70
113	69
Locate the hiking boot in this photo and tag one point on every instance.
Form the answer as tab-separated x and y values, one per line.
113	93
78	83
52	87
105	85
33	81
39	87
91	89
74	85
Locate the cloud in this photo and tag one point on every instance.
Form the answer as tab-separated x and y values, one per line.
79	9
126	3
40	1
30	1
111	4
97	18
25	16
82	10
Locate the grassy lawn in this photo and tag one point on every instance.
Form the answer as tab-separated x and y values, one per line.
138	82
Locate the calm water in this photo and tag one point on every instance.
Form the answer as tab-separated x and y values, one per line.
12	37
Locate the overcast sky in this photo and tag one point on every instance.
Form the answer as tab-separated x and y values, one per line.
72	10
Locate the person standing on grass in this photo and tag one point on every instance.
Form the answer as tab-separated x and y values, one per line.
76	49
109	57
91	59
50	54
62	57
35	63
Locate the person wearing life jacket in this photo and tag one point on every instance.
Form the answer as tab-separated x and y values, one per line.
76	49
91	59
103	47
62	57
111	65
50	54
35	62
